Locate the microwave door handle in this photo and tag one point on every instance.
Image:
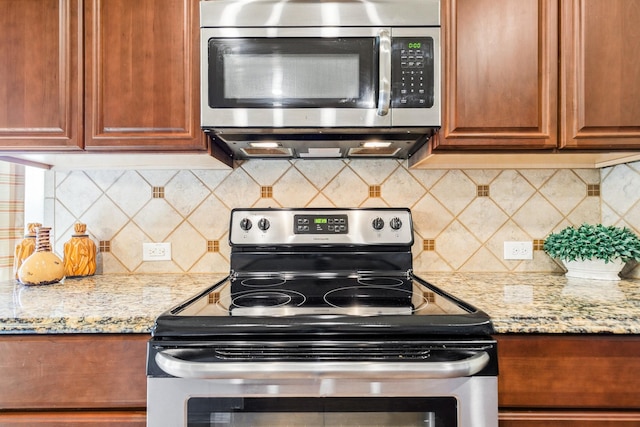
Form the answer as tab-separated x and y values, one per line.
384	93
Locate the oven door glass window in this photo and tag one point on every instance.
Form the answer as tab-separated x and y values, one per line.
323	411
293	72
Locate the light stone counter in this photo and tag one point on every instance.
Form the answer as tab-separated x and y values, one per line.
546	303
113	303
517	303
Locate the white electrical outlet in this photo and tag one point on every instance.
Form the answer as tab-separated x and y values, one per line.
156	251
518	250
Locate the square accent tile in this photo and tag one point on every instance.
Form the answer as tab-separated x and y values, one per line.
105	246
429	244
483	191
538	244
213	246
375	191
266	192
158	192
593	189
429	296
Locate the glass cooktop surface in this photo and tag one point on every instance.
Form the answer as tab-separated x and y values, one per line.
354	296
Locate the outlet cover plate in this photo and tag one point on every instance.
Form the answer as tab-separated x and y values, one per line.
156	252
518	250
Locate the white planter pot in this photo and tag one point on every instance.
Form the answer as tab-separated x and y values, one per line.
595	269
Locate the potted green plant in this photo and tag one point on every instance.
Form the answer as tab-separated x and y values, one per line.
594	251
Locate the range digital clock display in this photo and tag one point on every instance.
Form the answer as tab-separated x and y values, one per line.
326	224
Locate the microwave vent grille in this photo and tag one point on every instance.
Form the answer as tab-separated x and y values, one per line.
267	152
370	151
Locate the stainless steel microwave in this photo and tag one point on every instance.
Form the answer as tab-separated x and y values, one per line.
319	67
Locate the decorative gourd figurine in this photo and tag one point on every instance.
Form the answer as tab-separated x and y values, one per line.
79	254
43	267
26	247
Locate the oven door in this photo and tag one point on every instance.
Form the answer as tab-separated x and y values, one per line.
454	402
319	77
184	391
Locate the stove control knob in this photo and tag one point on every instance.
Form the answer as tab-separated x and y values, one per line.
245	224
378	223
263	224
395	223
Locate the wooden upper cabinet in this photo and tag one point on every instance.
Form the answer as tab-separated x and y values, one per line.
600	78
40	75
500	69
142	85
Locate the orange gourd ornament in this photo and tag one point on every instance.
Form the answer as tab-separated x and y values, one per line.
26	247
79	254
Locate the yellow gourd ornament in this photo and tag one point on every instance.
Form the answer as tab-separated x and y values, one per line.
26	247
79	254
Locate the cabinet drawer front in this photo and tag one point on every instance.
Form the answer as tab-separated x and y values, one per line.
78	371
538	371
569	419
68	419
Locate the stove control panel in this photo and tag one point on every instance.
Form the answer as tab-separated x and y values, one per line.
321	224
366	226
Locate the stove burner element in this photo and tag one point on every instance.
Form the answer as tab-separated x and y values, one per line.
380	281
370	296
257	303
262	299
263	282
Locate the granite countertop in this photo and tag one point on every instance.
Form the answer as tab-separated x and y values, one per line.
547	303
517	303
113	303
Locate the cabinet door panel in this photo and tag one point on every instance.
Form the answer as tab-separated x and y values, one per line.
142	79
40	88
500	74
601	76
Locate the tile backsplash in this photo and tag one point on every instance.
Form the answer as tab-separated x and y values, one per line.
461	217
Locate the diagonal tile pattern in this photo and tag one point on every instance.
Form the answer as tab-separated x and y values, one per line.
469	231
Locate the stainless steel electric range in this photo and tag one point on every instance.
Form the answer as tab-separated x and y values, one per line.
322	322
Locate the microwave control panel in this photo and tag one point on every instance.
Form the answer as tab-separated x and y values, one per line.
412	72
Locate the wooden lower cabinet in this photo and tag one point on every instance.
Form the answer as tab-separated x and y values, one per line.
568	419
100	380
74	419
569	380
73	380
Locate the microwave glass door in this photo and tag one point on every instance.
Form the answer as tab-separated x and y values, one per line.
293	72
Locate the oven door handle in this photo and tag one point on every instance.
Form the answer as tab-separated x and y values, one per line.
384	90
175	362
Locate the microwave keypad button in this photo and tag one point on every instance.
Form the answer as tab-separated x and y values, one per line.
412	72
